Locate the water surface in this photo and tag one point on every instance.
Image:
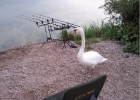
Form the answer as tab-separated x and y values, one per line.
16	32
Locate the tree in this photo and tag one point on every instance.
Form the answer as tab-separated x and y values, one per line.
125	14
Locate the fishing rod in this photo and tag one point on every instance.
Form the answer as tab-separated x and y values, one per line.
51	19
37	22
47	22
59	20
42	16
30	17
67	25
21	17
34	19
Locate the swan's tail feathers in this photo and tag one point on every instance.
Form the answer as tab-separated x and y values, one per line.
103	60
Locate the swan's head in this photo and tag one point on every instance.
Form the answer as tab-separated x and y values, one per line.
79	31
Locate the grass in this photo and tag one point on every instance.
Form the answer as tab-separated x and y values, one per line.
128	36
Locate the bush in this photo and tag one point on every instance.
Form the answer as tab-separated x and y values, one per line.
125	15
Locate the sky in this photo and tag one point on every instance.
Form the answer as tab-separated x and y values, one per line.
16	32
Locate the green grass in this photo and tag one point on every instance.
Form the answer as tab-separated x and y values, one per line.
128	36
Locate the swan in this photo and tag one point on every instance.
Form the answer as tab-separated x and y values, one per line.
90	58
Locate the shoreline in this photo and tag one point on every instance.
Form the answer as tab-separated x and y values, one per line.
36	71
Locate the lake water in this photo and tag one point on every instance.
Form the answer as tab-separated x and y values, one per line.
16	32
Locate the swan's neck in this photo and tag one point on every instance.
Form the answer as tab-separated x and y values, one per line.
81	51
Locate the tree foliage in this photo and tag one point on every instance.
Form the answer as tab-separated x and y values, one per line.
125	14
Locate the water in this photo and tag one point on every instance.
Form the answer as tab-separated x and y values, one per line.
16	32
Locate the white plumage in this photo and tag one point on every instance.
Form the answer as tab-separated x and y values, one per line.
91	58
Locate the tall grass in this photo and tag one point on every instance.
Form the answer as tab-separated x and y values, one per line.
109	31
128	36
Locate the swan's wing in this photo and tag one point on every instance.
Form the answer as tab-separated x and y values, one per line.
93	57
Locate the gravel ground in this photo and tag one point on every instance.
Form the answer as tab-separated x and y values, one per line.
38	70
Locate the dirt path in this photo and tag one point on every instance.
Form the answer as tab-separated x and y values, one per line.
35	71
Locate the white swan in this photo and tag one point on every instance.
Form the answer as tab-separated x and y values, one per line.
91	58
